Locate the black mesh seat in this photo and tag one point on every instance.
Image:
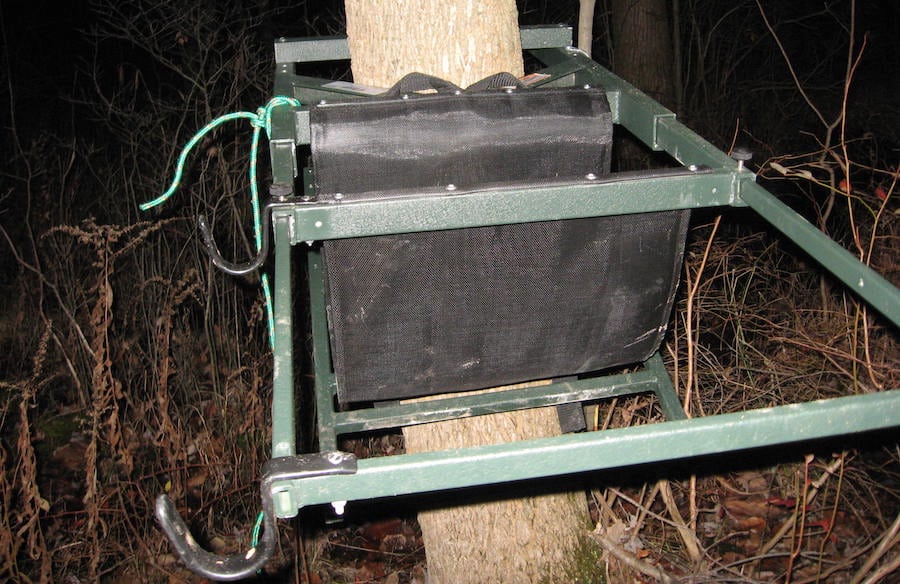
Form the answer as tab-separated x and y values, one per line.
423	313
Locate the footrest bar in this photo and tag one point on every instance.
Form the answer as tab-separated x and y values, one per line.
562	455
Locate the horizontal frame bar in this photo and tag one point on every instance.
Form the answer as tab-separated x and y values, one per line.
335	48
467	405
611	195
408	474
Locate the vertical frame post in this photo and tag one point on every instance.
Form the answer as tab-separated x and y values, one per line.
284	440
325	384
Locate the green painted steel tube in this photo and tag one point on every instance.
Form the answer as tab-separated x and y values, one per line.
868	284
284	442
613	195
577	453
504	401
335	48
325	386
665	391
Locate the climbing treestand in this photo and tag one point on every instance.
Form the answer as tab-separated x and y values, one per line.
463	239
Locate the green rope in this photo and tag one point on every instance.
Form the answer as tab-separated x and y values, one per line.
260	120
256	528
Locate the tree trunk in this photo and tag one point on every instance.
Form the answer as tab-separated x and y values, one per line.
530	539
643	56
642	47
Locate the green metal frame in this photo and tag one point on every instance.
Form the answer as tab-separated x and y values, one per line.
708	178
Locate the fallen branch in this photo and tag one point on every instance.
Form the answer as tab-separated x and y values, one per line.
630	559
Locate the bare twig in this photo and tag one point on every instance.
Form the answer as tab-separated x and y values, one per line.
811	493
630	560
890	538
688	535
586	25
790	66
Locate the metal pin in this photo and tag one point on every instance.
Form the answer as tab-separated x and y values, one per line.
742	155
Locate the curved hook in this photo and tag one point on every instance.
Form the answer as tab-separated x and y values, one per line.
237	566
209	565
230	267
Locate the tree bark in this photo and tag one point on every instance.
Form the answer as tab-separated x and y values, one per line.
642	47
643	56
461	41
523	540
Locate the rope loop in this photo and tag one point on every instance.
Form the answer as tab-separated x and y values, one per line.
260	120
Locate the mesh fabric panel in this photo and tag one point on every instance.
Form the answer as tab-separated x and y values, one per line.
424	313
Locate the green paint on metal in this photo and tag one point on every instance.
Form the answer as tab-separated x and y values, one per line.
710	178
542	37
311	50
665	391
325	385
688	148
335	48
503	401
576	453
868	284
613	195
284	442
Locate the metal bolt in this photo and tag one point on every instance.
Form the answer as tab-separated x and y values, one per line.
280	191
742	155
338	196
587	85
405	96
339	507
322	102
451	187
590	176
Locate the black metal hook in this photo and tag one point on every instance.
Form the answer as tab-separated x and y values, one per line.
232	268
239	566
209	565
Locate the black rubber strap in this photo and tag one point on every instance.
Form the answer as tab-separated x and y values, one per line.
494	82
413	82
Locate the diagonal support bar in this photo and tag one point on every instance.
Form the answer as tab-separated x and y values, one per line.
860	278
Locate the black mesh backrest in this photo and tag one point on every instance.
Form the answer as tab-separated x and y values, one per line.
424	313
